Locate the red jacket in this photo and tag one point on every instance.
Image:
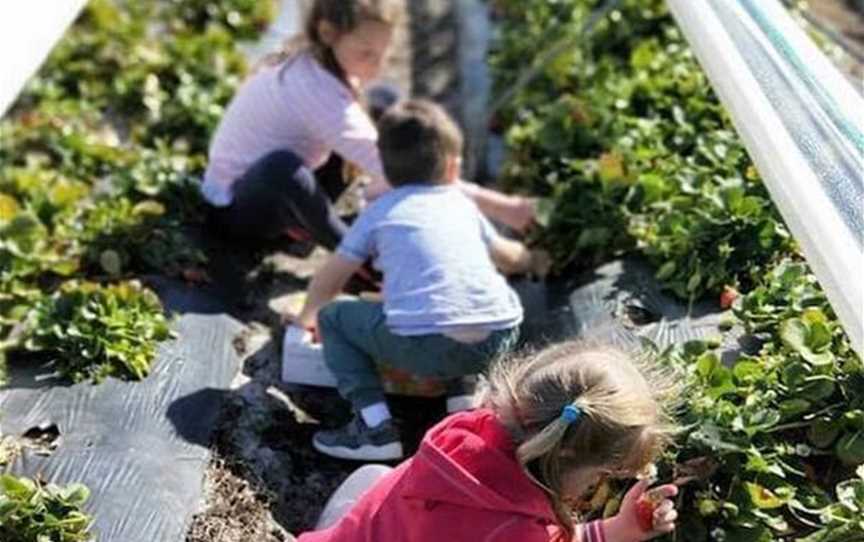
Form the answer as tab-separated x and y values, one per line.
463	485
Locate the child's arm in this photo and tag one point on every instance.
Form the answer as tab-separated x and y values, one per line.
626	527
512	257
518	212
326	284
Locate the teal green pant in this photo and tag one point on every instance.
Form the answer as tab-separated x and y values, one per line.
354	334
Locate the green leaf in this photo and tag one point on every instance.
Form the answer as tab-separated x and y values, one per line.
793	407
9	207
823	432
66	267
18	488
76	494
66	193
694	282
850	449
818	390
748	372
706	364
851	492
763	498
592	237
793	332
666	271
111	262
711	436
149	207
794	374
545	210
756	462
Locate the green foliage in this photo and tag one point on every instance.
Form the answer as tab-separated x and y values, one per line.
245	19
634	150
785	426
844	520
91	331
101	158
31	511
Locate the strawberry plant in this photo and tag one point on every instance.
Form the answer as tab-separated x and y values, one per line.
785	425
184	101
119	236
245	19
101	157
844	520
32	511
92	331
635	151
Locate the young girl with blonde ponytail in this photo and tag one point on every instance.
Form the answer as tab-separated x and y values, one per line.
550	430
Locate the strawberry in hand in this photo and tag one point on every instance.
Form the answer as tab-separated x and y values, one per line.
645	507
644	514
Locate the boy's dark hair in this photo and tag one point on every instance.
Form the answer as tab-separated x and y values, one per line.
415	138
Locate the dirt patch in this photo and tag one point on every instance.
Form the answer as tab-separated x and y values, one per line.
9	450
238	509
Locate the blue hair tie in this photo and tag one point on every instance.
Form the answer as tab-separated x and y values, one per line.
571	414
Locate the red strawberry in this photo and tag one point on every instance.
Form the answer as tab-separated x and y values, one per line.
645	512
728	297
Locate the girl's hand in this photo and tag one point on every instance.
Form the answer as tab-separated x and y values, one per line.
644	513
522	213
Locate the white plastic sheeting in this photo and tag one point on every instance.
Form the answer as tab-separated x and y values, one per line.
28	31
803	124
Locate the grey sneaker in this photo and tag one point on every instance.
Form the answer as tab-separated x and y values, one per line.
359	442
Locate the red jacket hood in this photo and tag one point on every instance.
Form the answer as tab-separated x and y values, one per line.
464	484
469	459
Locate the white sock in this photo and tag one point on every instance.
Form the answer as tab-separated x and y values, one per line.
375	415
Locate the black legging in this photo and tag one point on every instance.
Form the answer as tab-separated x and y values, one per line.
275	194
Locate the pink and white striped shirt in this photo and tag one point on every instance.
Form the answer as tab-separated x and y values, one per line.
296	105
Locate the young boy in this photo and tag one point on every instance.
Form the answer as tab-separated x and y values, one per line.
446	310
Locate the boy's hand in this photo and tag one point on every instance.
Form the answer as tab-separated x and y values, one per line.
298	335
292	320
644	513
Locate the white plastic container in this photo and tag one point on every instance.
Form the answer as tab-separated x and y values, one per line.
303	360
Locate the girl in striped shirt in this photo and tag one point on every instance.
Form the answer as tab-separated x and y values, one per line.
272	169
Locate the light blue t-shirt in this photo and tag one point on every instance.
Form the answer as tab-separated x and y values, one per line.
432	245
